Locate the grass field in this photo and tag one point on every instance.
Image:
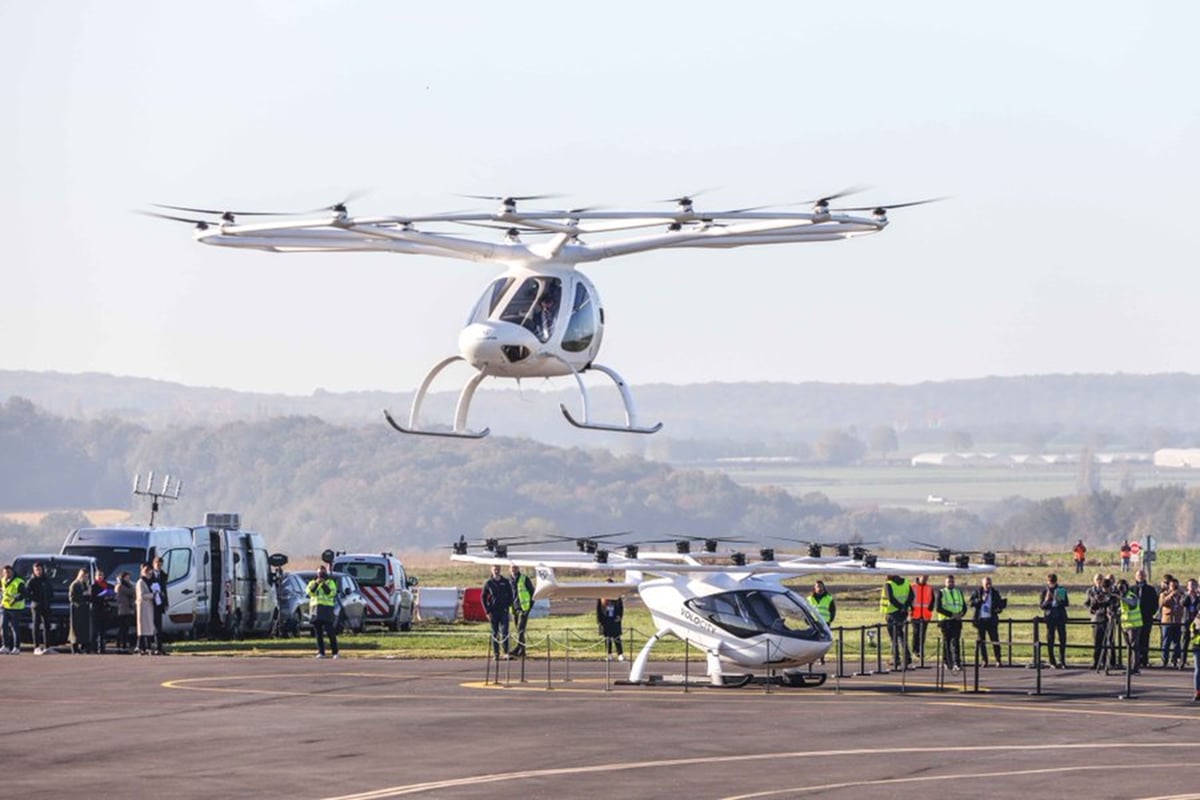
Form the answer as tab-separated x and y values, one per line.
972	488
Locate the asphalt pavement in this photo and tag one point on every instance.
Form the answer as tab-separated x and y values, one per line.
193	726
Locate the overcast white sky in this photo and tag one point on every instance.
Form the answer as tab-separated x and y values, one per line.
1067	134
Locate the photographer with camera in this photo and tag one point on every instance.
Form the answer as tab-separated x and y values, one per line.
1101	603
323	597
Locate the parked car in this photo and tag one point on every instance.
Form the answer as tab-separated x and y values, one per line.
61	571
385	585
349	610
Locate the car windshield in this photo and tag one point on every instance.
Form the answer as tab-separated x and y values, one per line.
113	560
60	571
365	573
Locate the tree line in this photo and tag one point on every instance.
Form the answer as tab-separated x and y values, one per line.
309	484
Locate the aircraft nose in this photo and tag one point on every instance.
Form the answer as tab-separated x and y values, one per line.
485	345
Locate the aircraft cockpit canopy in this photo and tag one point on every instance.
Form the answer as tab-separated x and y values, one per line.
536	304
755	612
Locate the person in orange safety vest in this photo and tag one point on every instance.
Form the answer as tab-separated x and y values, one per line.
921	614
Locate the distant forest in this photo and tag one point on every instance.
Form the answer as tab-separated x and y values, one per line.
1051	413
309	484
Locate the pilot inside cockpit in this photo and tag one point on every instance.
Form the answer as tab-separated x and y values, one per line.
541	319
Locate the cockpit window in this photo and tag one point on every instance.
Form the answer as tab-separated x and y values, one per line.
581	328
491	298
755	612
535	306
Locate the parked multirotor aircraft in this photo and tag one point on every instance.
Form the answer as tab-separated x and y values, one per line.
542	318
740	614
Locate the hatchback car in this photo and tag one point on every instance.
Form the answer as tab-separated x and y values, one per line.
349	609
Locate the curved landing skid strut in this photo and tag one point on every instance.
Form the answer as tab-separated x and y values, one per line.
630	425
460	430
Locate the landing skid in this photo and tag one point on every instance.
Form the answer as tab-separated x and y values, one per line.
460	430
630	425
450	434
794	680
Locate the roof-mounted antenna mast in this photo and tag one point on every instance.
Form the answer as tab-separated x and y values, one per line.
169	490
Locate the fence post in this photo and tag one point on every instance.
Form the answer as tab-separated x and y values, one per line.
1037	662
567	660
841	650
687	660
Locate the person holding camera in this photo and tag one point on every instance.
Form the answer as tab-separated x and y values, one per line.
987	603
322	594
1100	604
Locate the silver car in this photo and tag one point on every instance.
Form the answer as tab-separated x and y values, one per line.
349	610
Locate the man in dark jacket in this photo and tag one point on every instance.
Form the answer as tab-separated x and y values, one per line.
497	601
987	604
1053	603
160	577
1147	597
39	593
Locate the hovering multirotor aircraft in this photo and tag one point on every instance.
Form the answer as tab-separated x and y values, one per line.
738	612
542	318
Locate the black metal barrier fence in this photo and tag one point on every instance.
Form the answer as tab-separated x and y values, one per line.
1019	643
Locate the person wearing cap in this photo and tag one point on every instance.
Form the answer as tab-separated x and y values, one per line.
322	598
12	603
38	593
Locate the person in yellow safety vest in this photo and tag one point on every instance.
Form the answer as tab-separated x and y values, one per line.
322	594
951	606
895	599
12	603
1196	659
922	613
1131	621
522	592
823	602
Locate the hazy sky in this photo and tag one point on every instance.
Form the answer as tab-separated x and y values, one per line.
1067	134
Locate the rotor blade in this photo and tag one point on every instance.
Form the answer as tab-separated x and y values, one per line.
339	206
513	197
890	206
224	211
686	198
204	222
849	190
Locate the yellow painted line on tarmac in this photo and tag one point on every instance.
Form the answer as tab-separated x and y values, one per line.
792	791
708	760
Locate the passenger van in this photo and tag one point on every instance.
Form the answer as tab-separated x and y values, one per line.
218	580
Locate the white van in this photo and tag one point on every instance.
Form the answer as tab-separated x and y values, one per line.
218	578
384	585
